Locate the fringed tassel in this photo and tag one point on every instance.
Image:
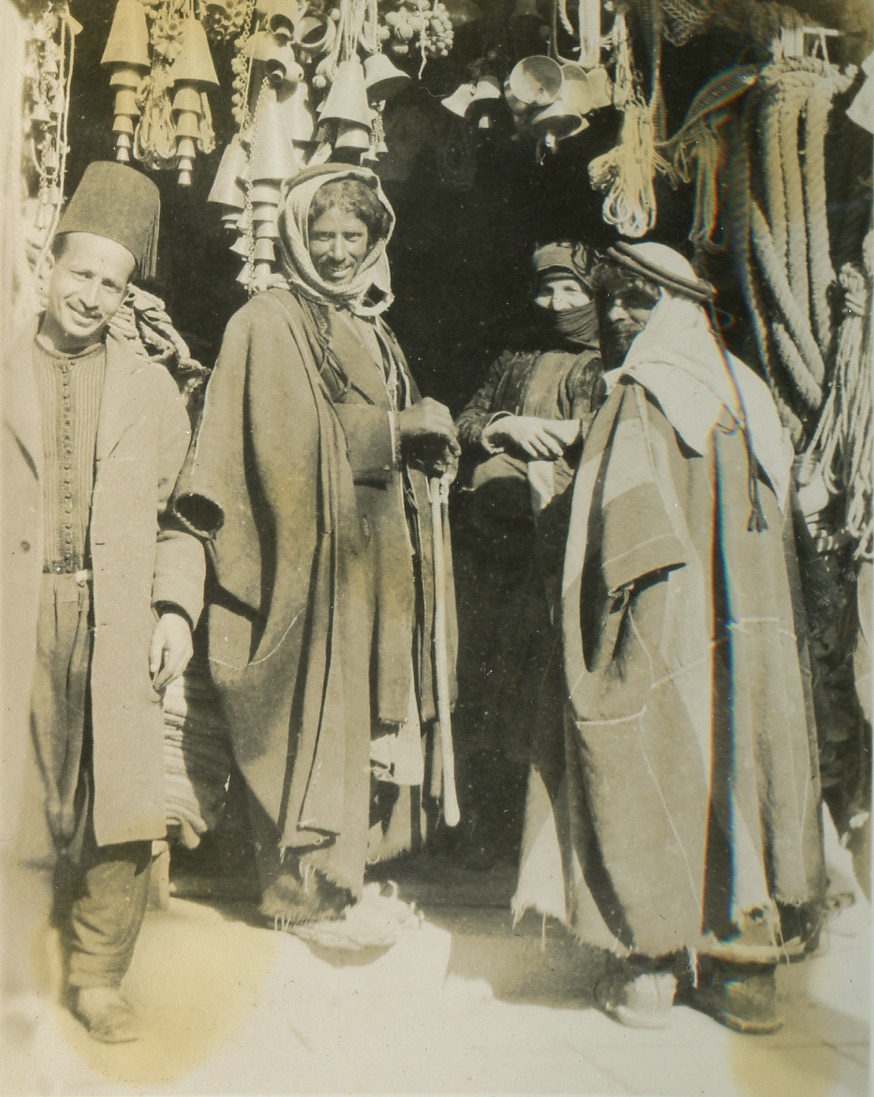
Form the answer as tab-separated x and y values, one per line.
756	522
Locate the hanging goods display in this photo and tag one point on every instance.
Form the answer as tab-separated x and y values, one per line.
626	174
775	199
127	52
50	50
550	95
161	67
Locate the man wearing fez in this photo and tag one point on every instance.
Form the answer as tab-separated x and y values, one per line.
121	588
677	821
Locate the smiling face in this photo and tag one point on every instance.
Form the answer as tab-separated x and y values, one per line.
558	292
338	243
88	283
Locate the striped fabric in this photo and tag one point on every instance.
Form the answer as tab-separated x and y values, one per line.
70	390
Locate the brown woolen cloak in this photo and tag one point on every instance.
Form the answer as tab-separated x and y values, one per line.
275	481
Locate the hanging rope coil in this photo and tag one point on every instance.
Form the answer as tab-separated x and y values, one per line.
842	449
774	193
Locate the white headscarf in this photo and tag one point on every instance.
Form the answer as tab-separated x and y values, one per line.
678	359
369	292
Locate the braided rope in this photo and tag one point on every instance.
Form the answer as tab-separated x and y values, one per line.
822	275
769	156
808	380
795	88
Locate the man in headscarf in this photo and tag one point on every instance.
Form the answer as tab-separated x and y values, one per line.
309	478
521	435
678	822
120	589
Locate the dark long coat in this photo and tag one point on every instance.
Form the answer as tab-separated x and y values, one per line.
321	583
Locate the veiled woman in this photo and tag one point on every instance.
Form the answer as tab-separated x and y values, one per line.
308	478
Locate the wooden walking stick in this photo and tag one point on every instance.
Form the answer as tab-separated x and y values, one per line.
438	490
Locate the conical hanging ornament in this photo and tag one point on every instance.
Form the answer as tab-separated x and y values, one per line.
299	116
193	63
273	155
460	99
128	42
347	99
352	136
127	51
383	78
192	68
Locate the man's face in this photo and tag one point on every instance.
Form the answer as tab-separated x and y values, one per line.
338	245
559	292
87	285
626	306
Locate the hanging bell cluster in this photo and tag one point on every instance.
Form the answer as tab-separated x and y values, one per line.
477	101
550	101
160	76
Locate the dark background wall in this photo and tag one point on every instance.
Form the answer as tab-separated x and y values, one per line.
470	203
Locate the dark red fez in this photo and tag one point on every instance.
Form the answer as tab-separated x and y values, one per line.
120	204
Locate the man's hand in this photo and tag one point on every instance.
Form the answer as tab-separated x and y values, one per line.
170	650
427	434
542	439
428	419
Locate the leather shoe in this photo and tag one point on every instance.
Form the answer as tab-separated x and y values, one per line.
106	1014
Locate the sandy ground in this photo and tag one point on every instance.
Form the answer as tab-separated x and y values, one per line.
462	1004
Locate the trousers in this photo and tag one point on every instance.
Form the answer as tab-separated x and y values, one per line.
100	892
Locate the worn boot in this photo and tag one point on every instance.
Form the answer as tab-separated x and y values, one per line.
639	995
743	997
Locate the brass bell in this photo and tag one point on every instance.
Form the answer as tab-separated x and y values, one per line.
273	154
347	99
382	77
188	124
193	62
460	99
315	33
128	42
227	186
298	114
126	102
535	81
126	76
526	9
352	136
282	67
187	98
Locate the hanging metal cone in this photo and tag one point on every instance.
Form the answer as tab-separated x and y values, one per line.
186	148
128	41
352	136
535	80
193	62
273	154
126	76
122	141
227	187
460	99
126	102
558	120
240	246
282	67
298	115
526	9
187	98
347	99
122	155
188	124
315	32
382	77
264	251
122	124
